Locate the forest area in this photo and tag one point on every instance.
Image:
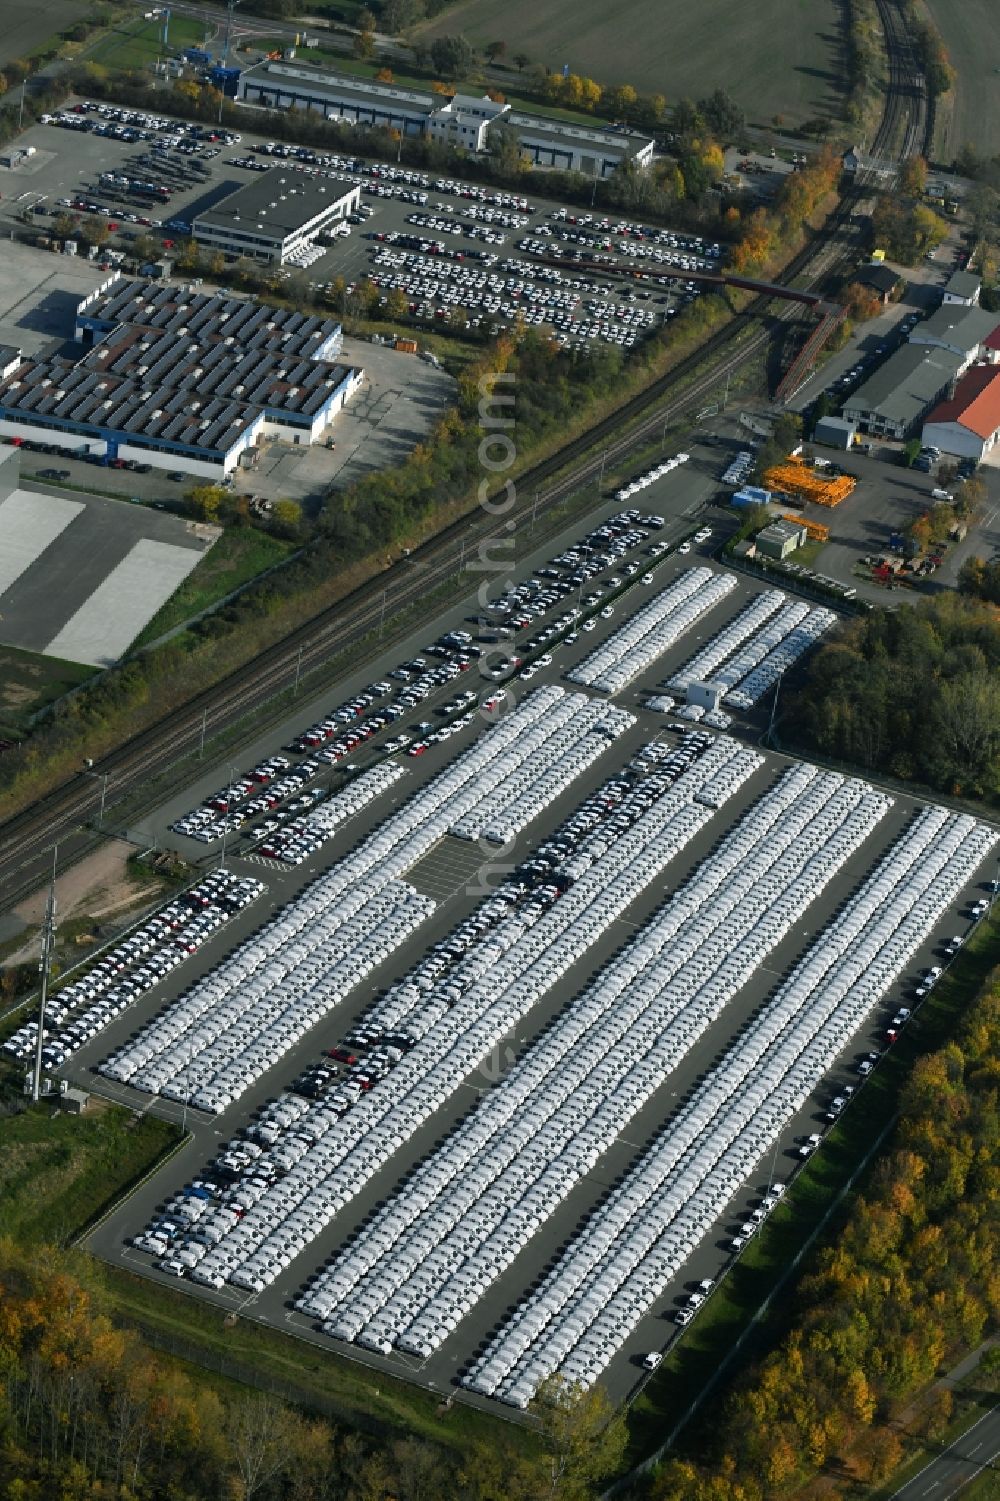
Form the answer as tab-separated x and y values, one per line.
913	694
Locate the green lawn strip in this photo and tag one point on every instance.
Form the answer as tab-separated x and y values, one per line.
238	556
364	1398
137	44
728	1311
58	1173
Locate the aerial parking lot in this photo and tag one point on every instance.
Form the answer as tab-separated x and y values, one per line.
455	250
492	1053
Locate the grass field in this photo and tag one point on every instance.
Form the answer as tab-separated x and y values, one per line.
28	682
776	57
58	1174
29	24
137	44
971	114
238	556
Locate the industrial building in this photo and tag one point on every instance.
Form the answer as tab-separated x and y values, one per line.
275	214
834	432
180	379
962	287
779	538
462	120
967	423
960	329
879	278
894	401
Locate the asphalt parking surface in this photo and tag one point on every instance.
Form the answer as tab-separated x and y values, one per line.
458	892
68	164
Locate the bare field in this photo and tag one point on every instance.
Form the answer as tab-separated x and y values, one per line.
972	115
775	57
29	23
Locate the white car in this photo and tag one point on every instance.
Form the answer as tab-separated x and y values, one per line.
652	1360
684	548
703	535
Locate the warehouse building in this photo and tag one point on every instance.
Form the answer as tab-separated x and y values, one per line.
180	379
962	287
894	401
779	538
834	432
463	120
967	423
961	330
275	214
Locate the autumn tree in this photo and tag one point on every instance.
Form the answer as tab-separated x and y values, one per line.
205	501
364	44
495	51
913	176
621	100
94	230
583	1438
384	75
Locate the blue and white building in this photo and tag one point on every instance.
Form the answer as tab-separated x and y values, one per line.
181	379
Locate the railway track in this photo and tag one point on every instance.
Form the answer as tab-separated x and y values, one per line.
55	816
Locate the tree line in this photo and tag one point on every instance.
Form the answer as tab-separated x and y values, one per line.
909	1284
912	693
89	1412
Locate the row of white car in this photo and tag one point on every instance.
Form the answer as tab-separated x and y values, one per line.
633	1247
444	1238
329	1155
320	947
800	639
124	971
642	481
564	745
651	631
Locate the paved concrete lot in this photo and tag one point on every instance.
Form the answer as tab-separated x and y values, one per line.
97	578
457	887
109	621
39	292
29	524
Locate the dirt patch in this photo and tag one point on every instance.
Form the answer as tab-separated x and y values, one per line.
98	886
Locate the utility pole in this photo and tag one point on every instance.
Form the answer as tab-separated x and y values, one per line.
774	710
381	617
600	480
44	962
298	671
20	110
204	726
229	27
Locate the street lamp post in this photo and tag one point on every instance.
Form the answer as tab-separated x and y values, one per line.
102	777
